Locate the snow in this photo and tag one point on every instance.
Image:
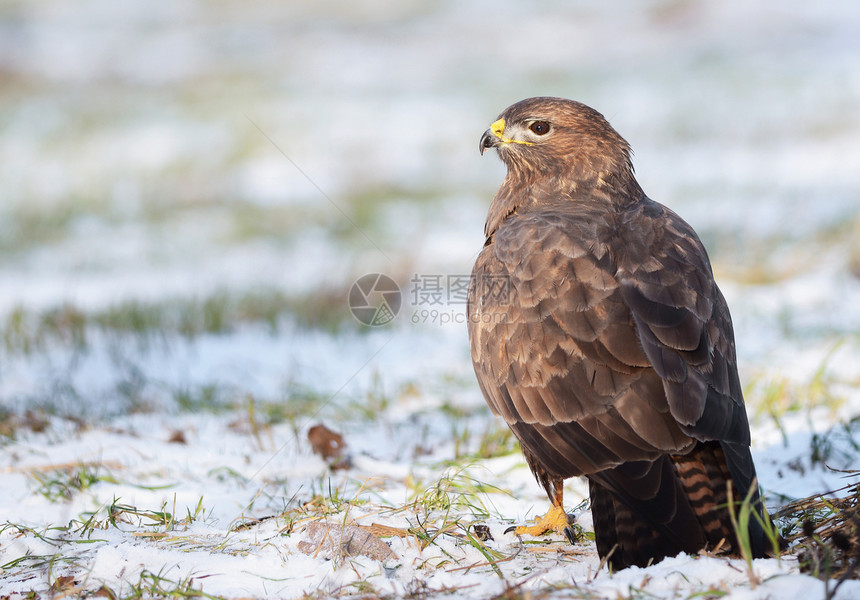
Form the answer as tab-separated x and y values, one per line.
236	475
180	150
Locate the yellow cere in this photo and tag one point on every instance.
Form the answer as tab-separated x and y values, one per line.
498	129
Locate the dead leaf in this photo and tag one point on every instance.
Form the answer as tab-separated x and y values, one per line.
105	592
352	540
482	532
63	583
325	442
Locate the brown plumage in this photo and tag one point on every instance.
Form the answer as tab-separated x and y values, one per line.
599	335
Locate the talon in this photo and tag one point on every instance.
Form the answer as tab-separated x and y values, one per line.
568	533
510	529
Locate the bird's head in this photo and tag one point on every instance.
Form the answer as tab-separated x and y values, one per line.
553	137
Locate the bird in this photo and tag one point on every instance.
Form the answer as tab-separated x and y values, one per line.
597	332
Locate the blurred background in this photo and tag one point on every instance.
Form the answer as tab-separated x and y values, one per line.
189	189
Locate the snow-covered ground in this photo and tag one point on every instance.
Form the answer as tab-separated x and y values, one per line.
249	162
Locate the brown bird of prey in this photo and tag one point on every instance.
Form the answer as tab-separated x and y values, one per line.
599	335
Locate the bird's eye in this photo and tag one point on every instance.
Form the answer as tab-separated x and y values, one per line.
540	127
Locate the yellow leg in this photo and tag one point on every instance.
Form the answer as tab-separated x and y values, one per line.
554	520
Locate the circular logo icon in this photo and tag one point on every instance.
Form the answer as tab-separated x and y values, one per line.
374	299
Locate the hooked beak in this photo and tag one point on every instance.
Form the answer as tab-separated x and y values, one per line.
489	140
495	137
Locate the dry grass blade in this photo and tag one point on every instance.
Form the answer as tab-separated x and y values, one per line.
824	531
386	530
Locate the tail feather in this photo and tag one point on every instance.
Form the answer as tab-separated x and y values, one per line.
704	479
646	511
623	539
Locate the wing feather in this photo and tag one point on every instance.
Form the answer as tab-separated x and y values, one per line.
597	357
